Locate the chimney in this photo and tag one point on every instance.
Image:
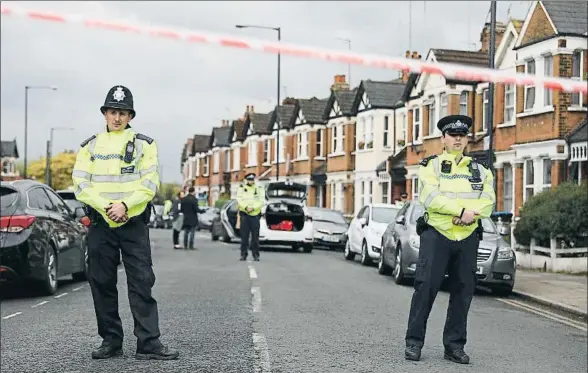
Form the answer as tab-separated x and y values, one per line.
340	83
412	56
485	36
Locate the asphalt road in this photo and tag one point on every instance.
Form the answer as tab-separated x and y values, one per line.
289	313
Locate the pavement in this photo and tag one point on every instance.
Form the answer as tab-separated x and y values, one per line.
289	313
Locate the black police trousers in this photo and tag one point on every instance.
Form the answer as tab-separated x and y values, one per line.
438	256
249	233
104	243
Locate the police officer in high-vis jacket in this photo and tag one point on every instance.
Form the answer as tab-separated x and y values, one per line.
116	175
250	199
456	191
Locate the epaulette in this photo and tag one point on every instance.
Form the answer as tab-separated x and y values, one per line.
425	161
148	139
87	141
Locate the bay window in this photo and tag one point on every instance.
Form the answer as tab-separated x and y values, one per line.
529	183
577	68
463	103
416	124
548	71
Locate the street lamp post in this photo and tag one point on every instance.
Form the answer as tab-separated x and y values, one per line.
279	30
348	41
53	88
50	152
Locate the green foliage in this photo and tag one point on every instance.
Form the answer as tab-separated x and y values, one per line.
61	169
220	203
168	191
560	212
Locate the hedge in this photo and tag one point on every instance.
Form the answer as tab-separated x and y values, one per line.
560	212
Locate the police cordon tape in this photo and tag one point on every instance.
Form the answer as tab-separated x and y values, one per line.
451	71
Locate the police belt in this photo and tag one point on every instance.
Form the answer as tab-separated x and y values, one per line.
422	226
97	218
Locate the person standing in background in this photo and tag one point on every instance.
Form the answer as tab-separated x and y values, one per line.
190	210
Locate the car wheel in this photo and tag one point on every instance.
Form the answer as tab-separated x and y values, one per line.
349	255
502	291
49	284
213	236
365	258
398	272
383	268
82	276
307	248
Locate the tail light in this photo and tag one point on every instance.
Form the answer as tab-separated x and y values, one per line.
86	221
16	224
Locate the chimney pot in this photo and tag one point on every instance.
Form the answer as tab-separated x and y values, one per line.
407	54
252	109
248	108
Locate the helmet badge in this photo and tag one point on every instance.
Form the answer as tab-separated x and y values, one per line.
119	94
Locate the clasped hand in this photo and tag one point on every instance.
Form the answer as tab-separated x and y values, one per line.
117	212
468	218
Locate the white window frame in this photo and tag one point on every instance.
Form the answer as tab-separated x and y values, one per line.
369	136
338	138
547	71
236	159
385	189
432	115
252	153
228	160
216	162
267	151
546	170
362	131
417	127
320	143
509	110
302	151
578	97
191	165
528	185
282	148
463	102
508	187
415	187
529	106
403	129
485	108
206	166
337	196
443	108
362	193
386	133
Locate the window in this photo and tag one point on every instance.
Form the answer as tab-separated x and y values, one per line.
334	139
206	165
252	155
38	199
320	151
416	124
362	130
215	163
529	180
370	192
385	141
281	150
546	174
227	161
6	167
385	187
336	193
577	99
368	133
548	71
61	206
463	103
509	103
443	104
507	187
362	193
415	187
303	145
237	159
402	140
267	145
485	111
530	90
194	165
432	116
337	141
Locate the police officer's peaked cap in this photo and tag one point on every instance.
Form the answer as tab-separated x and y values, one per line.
455	124
119	97
250	176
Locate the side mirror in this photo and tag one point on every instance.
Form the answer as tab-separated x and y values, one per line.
362	221
400	220
79	212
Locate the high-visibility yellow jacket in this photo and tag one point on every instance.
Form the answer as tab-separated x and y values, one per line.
250	196
101	176
444	194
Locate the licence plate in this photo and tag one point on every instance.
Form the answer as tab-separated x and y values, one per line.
480	270
330	239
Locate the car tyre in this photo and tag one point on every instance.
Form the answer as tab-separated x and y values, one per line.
502	291
307	248
213	236
82	276
49	284
349	255
398	272
365	258
383	268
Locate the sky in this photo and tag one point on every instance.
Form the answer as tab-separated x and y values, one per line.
181	89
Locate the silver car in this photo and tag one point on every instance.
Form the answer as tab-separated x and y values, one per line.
400	252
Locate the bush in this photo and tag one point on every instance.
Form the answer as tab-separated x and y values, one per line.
560	212
220	203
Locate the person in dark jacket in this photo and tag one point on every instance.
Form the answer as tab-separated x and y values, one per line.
177	218
190	210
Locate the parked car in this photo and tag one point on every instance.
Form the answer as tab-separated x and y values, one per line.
41	237
366	230
205	218
158	219
496	263
224	223
330	228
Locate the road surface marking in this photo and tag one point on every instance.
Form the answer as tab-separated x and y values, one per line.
252	273
120	270
546	314
40	304
60	295
261	354
256	301
9	316
78	288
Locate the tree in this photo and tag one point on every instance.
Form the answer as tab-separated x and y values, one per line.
62	165
167	191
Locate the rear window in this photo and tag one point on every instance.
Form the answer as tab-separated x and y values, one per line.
8	198
67	195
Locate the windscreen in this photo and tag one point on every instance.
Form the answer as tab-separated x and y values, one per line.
330	216
384	214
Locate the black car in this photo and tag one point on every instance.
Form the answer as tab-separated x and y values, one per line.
330	228
41	237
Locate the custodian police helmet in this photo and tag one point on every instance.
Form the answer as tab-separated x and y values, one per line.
250	176
119	97
455	124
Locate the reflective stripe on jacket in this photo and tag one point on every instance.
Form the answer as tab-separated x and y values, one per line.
101	176
250	196
444	195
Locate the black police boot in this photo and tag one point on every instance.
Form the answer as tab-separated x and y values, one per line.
158	353
106	351
412	353
457	356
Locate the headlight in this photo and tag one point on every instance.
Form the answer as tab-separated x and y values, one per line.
415	242
505	253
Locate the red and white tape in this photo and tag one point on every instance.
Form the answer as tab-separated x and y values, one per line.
452	71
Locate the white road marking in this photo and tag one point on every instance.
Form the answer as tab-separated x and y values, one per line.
546	314
9	316
60	295
226	244
40	304
78	288
261	354
120	270
252	273
256	301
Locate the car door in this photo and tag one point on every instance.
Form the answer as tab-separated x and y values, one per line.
75	232
355	229
363	229
392	239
